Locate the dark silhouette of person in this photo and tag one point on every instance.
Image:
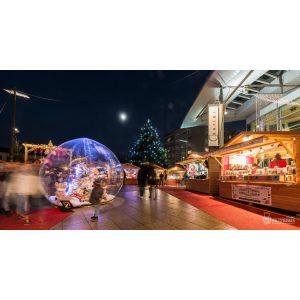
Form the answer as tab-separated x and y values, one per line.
142	178
151	176
165	177
161	177
124	177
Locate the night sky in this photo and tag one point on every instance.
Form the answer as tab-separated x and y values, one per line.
40	120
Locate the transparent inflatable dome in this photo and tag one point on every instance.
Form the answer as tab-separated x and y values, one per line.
70	170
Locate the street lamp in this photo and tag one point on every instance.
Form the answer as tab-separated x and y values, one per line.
185	147
17	131
13	117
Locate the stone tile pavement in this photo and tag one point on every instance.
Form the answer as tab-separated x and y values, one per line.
130	212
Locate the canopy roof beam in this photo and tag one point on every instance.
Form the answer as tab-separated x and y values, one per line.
262	81
243	96
270	75
236	102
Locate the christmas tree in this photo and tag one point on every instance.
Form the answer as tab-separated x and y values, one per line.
148	148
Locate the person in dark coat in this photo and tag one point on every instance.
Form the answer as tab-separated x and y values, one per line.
142	178
151	176
124	177
165	177
161	177
96	198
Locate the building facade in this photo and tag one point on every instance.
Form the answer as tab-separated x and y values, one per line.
268	100
181	142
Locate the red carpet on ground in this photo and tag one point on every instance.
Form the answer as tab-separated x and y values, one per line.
43	219
240	216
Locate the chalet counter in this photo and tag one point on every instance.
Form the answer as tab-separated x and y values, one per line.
275	194
261	168
198	185
131	181
207	186
175	182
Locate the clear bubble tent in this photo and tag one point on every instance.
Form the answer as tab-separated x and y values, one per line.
69	171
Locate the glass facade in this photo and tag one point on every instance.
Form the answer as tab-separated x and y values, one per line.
286	118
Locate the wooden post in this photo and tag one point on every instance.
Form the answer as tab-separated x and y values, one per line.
12	130
288	150
296	161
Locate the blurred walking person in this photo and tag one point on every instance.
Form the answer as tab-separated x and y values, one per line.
124	177
161	177
35	196
151	176
21	183
7	191
165	177
142	178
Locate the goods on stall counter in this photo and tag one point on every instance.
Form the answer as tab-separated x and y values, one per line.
197	169
130	174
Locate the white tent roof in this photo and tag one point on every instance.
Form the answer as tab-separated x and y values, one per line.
240	105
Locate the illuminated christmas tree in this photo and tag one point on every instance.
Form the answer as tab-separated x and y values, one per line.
148	148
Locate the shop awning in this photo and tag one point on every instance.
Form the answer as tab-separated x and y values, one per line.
196	155
130	167
193	157
187	161
251	140
177	169
156	167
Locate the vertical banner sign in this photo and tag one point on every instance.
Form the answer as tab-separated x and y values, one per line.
213	125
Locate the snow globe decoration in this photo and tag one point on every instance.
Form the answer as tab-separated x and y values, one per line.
69	171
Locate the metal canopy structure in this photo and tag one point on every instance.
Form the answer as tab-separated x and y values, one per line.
237	90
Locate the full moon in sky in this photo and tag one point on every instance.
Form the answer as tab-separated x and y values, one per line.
123	116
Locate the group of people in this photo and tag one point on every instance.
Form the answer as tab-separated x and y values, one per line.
18	183
147	176
163	178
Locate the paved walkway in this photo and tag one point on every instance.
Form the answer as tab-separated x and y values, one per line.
129	212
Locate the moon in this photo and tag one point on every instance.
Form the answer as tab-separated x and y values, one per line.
123	116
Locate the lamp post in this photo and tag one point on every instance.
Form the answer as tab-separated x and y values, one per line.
13	119
185	141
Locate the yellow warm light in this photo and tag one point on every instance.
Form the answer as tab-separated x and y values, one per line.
246	138
17	93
